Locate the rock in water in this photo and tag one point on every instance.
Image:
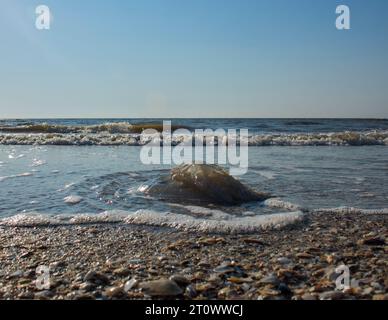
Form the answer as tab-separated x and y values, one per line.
161	288
202	183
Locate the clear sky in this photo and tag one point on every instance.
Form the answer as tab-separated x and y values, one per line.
194	58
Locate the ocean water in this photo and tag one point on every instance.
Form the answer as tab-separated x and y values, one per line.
304	165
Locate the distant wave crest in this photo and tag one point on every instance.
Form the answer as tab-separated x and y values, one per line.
123	133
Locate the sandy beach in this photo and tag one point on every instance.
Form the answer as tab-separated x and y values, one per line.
115	261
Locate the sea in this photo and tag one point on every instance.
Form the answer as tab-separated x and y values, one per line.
80	171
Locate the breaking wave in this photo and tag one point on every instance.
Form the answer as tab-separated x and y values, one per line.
210	221
113	134
215	222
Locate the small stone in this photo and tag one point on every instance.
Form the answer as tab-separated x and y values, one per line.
130	284
254	241
26	295
210	241
226	292
308	296
25	255
266	292
270	279
87	286
239	280
332	295
330	258
114	292
46	294
224	269
96	277
304	255
284	260
191	292
122	272
162	287
16	274
180	280
374	241
380	297
284	289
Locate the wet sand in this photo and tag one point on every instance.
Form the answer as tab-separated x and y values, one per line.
115	261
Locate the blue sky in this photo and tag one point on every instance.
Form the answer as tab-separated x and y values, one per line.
194	58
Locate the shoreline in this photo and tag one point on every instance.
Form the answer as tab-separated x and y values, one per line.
114	261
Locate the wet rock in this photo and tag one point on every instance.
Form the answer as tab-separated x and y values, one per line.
114	292
26	295
380	297
180	280
284	289
224	269
284	260
121	272
226	292
161	288
254	241
270	279
308	296
304	255
16	274
130	284
373	241
210	241
191	292
203	183
239	280
96	277
46	294
87	286
332	295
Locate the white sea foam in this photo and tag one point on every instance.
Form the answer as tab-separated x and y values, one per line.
25	174
37	163
31	220
281	204
234	224
15	156
270	175
126	137
352	210
216	222
210	221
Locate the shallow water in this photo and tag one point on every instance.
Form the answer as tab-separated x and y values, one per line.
35	178
109	183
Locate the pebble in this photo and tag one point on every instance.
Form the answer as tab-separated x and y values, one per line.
331	295
161	288
270	279
180	280
96	277
46	294
308	296
87	286
130	284
16	274
284	260
122	272
254	241
114	292
373	241
304	255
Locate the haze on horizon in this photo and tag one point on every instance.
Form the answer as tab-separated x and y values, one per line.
194	58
